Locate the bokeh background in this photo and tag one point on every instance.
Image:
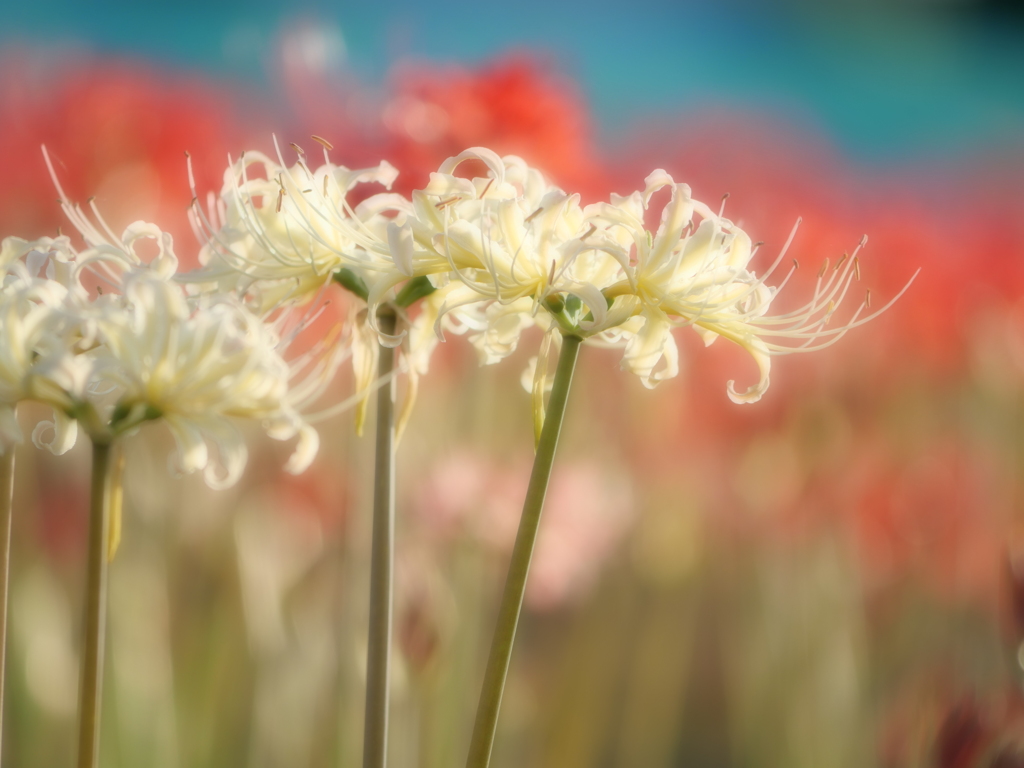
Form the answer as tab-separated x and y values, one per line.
831	577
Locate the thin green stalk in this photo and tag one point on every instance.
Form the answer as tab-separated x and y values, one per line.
519	566
378	654
6	504
90	691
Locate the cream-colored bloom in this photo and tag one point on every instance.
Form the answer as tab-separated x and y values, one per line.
41	341
517	252
694	271
150	347
198	366
280	234
524	251
35	362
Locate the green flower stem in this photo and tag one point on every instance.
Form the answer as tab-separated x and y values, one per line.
91	685
6	503
519	567
378	654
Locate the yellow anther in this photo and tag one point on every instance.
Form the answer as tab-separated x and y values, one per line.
322	142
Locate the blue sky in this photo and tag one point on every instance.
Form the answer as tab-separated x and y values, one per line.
922	78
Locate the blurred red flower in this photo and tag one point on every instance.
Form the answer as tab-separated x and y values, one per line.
117	131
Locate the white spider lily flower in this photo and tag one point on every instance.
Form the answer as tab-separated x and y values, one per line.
693	271
518	244
280	234
198	366
271	245
147	348
40	355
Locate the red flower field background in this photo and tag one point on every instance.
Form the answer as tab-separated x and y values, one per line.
827	577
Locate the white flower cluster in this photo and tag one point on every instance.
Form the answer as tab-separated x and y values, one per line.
501	252
520	251
140	345
485	257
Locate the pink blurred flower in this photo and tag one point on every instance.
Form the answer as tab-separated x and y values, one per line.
588	510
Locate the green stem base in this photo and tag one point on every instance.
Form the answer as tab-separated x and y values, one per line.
6	505
519	566
91	686
378	654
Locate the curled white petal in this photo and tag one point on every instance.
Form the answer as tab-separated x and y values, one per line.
305	450
63	432
384	174
488	157
759	351
596	303
165	263
192	453
651	353
232	455
655	180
